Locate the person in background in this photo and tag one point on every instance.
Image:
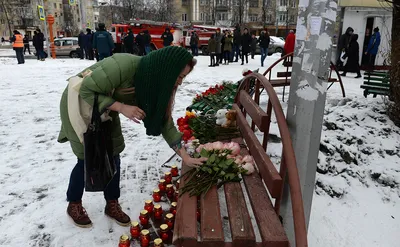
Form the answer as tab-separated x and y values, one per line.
40	45
147	42
236	42
103	42
18	46
254	42
343	44
128	42
26	44
228	39
140	42
246	42
218	40
212	45
372	49
289	44
132	79
194	43
264	41
2	40
96	55
367	38
167	37
222	55
89	44
81	43
353	54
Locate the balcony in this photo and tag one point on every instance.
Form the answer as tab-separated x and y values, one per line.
221	8
185	2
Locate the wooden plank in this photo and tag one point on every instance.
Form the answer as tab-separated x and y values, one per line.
381	79
270	227
239	218
259	117
287	64
379	84
212	233
374	87
284	74
332	80
380	92
267	170
185	230
280	82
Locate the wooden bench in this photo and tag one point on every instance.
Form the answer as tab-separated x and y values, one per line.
249	199
376	83
284	77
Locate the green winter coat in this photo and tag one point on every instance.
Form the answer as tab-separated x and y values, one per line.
212	46
228	43
113	73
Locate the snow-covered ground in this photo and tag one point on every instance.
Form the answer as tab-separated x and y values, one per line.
357	197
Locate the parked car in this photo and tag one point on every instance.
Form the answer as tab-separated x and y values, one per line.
276	45
66	47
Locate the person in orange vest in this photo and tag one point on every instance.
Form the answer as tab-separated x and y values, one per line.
18	46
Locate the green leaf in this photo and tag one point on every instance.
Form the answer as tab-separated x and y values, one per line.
212	158
204	153
209	170
216	169
222	173
229	161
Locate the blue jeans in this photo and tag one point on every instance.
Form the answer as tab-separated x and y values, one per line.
103	55
77	182
236	50
195	50
264	54
147	49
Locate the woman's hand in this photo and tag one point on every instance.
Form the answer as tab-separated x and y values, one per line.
134	113
193	162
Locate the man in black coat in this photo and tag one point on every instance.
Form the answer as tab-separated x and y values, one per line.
343	44
264	41
81	43
236	42
245	42
128	42
89	44
26	44
38	42
147	42
167	37
140	39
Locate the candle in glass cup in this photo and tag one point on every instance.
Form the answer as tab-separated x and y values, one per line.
144	218
178	182
168	178
135	229
174	171
144	238
162	185
158	242
172	209
169	220
156	195
170	191
164	233
158	212
124	241
149	206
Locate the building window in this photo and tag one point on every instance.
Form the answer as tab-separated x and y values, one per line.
293	4
282	17
253	18
184	17
269	18
204	17
222	16
236	2
60	6
204	2
55	5
291	18
283	2
222	2
61	14
254	3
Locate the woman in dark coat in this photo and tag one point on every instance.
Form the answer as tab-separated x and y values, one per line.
353	61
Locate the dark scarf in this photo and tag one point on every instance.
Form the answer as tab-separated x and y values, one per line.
154	81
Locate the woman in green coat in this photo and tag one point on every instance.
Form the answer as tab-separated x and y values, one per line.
140	88
227	47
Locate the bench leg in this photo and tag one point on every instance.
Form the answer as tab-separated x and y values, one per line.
375	95
365	93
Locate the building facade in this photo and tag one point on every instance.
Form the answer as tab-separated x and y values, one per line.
363	16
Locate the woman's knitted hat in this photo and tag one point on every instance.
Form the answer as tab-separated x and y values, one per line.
154	82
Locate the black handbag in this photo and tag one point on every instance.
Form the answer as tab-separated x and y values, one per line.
98	150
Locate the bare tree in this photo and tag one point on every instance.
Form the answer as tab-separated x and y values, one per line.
17	11
239	10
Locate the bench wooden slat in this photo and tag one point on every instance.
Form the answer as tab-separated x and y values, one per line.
268	171
380	92
280	82
379	84
259	117
185	231
211	221
374	87
271	230
332	80
239	218
381	79
284	74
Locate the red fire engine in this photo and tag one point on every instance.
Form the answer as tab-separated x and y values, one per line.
156	29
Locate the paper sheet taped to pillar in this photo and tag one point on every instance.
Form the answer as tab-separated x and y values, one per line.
315	26
303	3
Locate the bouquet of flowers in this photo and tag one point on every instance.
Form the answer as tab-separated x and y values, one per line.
183	125
224	165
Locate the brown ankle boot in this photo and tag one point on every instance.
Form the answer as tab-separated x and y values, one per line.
113	210
78	214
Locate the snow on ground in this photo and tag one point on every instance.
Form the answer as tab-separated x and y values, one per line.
357	197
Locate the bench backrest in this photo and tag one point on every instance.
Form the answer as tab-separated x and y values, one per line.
246	105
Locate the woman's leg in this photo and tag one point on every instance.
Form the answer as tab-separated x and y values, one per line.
112	191
76	183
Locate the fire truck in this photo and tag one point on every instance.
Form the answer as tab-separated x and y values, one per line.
156	29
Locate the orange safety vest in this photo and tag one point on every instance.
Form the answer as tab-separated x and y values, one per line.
19	41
